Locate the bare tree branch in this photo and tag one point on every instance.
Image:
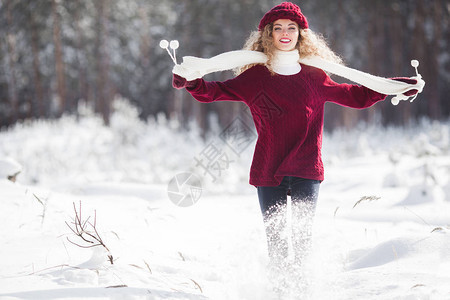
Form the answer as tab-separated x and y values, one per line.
87	232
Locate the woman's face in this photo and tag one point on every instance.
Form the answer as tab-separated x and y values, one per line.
285	34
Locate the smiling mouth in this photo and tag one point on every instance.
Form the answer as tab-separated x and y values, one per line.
285	41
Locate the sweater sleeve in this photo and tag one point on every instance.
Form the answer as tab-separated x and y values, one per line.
349	95
236	89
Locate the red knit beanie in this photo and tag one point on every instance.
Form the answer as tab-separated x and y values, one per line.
285	10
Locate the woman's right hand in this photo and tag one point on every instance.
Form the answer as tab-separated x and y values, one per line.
179	82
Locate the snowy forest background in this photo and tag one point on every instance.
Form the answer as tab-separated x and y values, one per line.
56	54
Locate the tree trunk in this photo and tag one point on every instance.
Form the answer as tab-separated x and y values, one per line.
103	83
38	105
433	64
11	65
145	41
83	87
59	62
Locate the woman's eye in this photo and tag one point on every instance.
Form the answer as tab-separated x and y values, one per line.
292	28
277	28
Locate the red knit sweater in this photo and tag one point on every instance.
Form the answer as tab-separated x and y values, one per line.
288	114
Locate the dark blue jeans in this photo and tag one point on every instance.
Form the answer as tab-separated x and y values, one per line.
273	202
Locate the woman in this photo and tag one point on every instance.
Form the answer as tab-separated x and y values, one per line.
286	100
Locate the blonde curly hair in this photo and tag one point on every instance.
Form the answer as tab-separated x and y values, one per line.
309	44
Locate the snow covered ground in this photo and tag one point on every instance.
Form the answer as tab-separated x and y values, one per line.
381	227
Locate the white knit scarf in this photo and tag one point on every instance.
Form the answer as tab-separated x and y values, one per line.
287	63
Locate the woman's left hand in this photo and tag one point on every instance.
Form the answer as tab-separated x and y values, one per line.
409	81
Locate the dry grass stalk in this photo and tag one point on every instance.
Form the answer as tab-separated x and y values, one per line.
366	198
197	285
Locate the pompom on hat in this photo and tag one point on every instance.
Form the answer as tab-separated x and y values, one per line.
285	10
